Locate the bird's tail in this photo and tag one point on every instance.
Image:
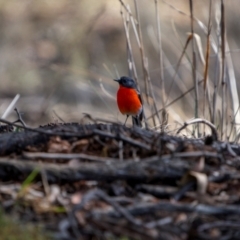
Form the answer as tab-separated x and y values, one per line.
137	121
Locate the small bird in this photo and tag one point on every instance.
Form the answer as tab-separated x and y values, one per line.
129	100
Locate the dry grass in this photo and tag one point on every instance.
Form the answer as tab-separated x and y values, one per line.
54	54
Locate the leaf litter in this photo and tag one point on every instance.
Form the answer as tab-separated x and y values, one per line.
106	180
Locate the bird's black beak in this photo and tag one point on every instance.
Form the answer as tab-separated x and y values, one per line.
117	80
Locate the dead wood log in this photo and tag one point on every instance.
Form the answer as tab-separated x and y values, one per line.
148	208
141	171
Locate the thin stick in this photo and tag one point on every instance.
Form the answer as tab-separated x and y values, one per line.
223	80
203	61
147	80
141	48
194	69
65	156
176	99
234	99
162	84
207	62
19	118
217	68
131	63
199	120
178	64
11	105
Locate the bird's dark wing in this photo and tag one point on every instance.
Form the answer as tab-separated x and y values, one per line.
141	114
137	121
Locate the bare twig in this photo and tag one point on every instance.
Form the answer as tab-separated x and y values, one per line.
194	65
205	85
176	99
19	118
66	156
11	105
164	117
199	120
223	79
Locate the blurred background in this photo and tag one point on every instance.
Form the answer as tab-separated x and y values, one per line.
56	54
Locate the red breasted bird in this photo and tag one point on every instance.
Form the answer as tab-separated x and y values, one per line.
129	100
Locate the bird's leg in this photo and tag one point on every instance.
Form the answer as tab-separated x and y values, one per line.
126	120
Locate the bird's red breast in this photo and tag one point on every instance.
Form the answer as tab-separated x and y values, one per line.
128	101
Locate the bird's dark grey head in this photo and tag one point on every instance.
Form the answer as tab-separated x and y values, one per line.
126	82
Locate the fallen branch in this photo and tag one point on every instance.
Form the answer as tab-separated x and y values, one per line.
127	170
